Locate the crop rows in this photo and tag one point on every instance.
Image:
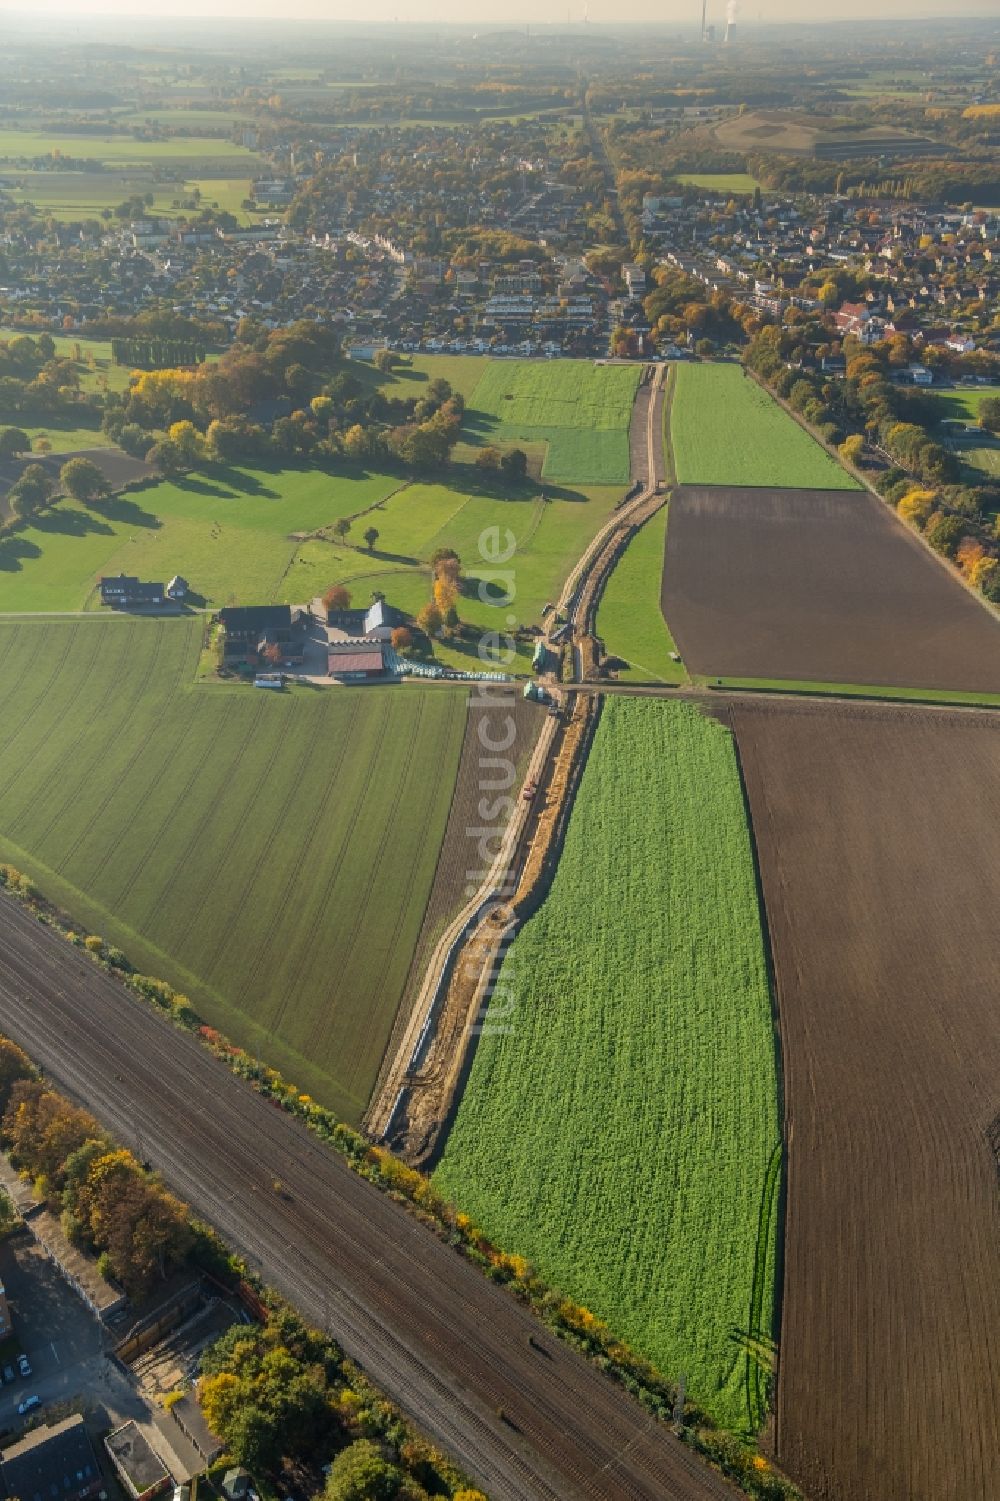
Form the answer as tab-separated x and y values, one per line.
271	857
620	1128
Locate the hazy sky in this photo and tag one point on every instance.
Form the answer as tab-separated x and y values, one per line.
668	12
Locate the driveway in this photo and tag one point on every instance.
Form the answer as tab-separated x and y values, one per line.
71	1367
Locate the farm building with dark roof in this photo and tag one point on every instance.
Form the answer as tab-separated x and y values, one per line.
248	630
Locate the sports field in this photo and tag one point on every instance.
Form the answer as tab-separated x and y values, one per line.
963	404
621	1130
268	855
964	401
629	620
580	410
726	430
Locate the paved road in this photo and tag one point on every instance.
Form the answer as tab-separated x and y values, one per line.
446	1344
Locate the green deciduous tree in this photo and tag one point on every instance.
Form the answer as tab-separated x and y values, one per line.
82	479
362	1473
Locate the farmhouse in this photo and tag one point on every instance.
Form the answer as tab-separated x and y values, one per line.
126	593
356	661
377	622
248	631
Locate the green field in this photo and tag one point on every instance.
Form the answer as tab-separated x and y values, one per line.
268	855
964	402
229	532
726	430
237	536
462	372
95	367
71	197
629	619
572	415
736	183
21	145
62	436
620	1125
580	410
963	405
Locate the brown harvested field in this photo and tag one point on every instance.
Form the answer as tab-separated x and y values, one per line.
818	585
875	829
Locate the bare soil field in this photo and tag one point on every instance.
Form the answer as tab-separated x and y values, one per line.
875	835
118	468
497	713
818	585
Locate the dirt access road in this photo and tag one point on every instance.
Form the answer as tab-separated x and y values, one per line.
445	1343
874	829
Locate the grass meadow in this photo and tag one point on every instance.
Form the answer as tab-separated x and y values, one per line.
571	416
579	410
114	150
229	532
726	430
629	619
620	1125
268	855
240	536
737	183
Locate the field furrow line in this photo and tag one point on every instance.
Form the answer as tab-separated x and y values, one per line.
333	875
98	813
315	833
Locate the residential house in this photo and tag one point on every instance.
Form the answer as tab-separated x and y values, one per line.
127	593
56	1460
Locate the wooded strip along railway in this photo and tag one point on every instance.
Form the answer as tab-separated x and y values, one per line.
447	1345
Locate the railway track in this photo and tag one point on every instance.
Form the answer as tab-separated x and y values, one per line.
447	1345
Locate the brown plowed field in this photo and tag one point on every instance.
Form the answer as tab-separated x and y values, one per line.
818	585
876	834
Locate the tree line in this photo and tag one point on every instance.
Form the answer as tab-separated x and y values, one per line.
156	353
108	1202
890	428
